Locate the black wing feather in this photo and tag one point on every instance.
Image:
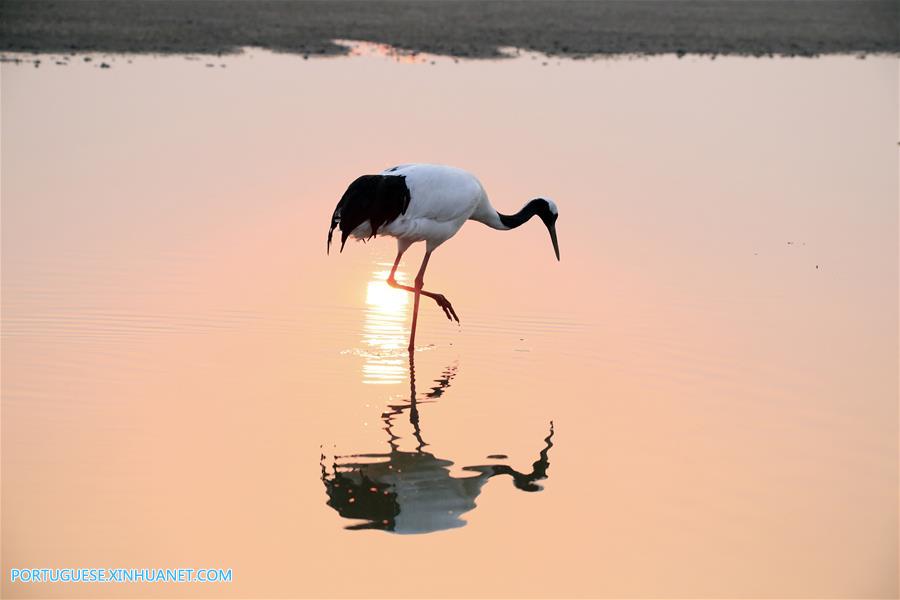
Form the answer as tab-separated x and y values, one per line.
378	199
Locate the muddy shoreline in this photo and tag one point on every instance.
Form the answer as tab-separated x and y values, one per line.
454	28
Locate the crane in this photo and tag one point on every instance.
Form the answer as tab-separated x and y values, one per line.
425	203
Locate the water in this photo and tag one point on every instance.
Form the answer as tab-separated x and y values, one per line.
700	399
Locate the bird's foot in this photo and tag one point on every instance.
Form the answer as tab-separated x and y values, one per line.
446	307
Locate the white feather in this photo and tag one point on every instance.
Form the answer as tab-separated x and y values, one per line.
442	199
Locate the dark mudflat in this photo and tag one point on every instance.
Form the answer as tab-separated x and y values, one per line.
458	28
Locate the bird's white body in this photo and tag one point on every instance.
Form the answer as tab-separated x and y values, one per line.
442	199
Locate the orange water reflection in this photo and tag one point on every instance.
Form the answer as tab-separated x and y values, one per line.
385	331
717	348
370	49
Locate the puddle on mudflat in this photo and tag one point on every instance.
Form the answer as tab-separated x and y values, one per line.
178	350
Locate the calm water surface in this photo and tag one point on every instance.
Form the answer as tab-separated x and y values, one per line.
699	400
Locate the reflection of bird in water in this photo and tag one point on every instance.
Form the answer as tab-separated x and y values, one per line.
414	492
430	203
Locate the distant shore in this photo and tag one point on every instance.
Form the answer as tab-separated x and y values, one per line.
454	27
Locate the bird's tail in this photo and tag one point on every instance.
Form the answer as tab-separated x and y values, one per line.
378	199
335	219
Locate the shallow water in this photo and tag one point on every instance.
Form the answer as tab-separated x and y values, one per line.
188	379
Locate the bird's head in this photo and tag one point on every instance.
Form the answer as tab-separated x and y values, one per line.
547	211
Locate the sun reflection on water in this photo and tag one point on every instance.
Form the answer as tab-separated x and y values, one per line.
385	330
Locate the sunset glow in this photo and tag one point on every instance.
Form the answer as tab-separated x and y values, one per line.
385	331
190	379
383	297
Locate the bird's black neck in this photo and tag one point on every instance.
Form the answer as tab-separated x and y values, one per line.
528	211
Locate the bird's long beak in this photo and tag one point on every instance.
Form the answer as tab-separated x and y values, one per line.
552	230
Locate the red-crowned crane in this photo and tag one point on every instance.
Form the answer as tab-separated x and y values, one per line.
425	203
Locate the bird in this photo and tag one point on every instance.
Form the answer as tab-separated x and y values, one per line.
428	203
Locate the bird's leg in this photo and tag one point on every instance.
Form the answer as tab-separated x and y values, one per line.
439	298
391	281
420	276
420	281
